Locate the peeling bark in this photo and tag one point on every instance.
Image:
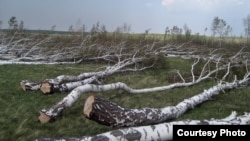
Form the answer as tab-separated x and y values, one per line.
163	131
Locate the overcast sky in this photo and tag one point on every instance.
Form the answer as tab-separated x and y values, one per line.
140	14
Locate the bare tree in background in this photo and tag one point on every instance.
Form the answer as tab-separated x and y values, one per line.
220	28
71	29
167	31
21	26
53	28
176	30
1	23
187	32
246	22
13	24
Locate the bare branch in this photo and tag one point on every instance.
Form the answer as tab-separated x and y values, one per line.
228	71
192	68
178	72
57	109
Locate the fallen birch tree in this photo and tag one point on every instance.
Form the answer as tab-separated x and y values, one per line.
163	131
65	83
111	114
52	113
35	49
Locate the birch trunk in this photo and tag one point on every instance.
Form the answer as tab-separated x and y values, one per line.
164	113
65	83
30	86
111	114
163	131
48	88
53	85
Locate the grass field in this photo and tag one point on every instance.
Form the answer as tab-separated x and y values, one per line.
19	110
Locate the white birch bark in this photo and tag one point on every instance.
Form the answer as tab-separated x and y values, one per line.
165	113
65	83
13	62
111	114
26	85
163	131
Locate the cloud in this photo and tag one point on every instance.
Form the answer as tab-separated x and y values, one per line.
167	2
201	4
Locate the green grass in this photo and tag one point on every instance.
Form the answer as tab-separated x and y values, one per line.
19	110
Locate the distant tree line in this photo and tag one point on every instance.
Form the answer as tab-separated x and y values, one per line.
219	29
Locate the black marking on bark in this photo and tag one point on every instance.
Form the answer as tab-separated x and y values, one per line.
146	134
203	122
116	133
167	127
100	138
153	127
73	97
133	135
101	89
63	88
159	135
82	82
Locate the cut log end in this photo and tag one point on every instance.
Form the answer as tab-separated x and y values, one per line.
46	88
43	118
88	105
22	84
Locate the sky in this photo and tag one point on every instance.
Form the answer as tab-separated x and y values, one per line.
141	15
